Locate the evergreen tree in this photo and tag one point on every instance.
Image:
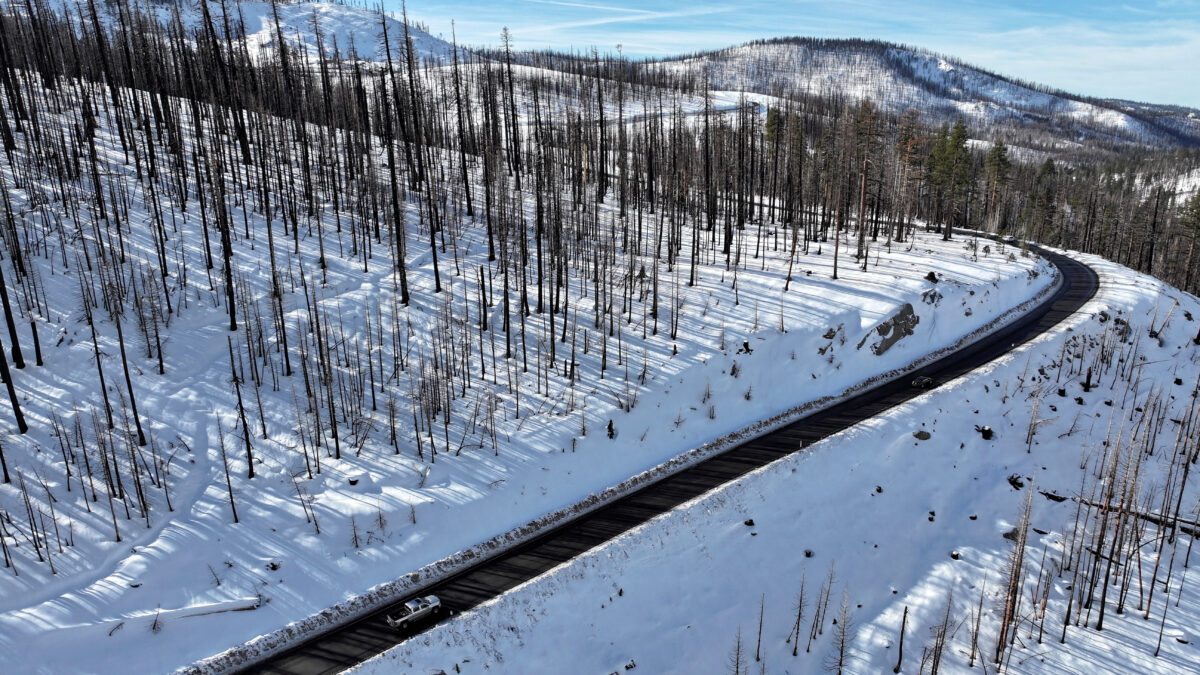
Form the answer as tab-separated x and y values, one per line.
773	125
958	176
938	164
1045	200
997	167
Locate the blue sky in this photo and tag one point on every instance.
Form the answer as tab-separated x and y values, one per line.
1148	50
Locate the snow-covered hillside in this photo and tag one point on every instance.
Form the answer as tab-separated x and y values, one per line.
132	554
899	78
340	28
888	531
277	373
894	76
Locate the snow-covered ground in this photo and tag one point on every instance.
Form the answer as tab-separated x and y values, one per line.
148	582
1016	153
163	577
559	102
105	596
1180	183
1187	185
909	531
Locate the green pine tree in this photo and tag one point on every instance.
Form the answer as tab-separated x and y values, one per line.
997	166
774	124
1045	200
961	174
951	173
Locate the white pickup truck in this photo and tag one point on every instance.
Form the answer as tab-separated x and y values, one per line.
413	611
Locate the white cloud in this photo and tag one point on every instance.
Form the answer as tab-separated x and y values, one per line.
584	5
643	17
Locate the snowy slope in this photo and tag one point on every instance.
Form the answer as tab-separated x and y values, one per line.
899	78
563	103
1178	181
914	534
153	583
340	26
150	586
1187	184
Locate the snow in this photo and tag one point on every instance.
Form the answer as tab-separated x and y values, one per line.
341	25
898	79
894	77
901	523
579	100
1180	181
510	454
1015	152
184	582
1187	184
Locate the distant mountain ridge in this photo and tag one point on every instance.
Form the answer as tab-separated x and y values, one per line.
898	78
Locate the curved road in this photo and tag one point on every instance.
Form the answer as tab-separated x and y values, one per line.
365	637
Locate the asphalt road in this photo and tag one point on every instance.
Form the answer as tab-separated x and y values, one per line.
363	638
